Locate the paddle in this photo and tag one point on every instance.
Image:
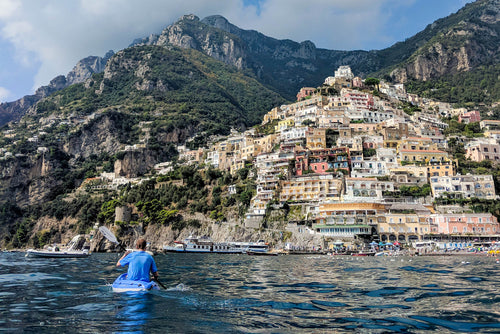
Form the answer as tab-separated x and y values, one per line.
111	237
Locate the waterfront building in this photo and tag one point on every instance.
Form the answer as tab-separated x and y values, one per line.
348	220
465	224
405	223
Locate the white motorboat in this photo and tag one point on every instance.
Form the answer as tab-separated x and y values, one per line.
70	251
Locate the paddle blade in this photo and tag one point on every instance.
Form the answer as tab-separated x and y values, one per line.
108	234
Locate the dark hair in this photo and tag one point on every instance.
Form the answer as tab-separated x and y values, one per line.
141	243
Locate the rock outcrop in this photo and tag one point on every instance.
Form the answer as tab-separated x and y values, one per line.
13	111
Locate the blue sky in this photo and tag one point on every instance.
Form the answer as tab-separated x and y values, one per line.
40	39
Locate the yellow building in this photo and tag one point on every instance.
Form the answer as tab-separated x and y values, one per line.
316	138
446	167
275	113
266	144
285	124
422	155
405	223
311	188
416	143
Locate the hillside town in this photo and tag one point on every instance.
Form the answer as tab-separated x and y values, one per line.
342	159
355	161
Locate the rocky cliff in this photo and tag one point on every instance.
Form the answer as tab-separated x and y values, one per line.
459	43
13	111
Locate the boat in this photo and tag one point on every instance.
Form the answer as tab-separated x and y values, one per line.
262	253
206	245
122	284
57	253
364	253
72	251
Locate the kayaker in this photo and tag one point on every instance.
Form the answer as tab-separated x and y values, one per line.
140	263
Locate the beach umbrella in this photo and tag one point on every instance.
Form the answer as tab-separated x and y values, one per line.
389	244
397	243
381	243
373	243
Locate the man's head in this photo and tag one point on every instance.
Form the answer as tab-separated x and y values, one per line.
141	244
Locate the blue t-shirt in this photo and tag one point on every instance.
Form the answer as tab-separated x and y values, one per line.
140	263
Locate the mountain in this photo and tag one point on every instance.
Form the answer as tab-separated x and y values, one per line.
13	111
283	65
455	59
458	43
149	96
462	42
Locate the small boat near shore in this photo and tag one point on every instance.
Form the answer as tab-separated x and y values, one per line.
262	253
57	253
363	253
72	251
122	284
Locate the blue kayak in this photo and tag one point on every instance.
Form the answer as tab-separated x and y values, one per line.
122	284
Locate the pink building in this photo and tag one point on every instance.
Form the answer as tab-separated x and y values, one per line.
321	161
304	92
482	150
464	224
469	117
357	82
359	99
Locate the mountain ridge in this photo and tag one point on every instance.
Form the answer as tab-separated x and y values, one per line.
459	42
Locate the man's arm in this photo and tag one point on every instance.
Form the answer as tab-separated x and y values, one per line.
118	264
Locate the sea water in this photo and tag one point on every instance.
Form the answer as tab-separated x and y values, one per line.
216	293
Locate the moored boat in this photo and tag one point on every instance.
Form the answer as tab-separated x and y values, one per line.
57	253
262	253
72	251
122	284
206	245
363	253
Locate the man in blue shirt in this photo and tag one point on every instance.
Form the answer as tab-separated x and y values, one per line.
140	263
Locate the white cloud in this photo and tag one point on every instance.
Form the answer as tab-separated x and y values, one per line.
4	94
8	8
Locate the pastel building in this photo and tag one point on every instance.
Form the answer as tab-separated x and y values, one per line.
311	188
442	168
285	124
316	138
271	167
465	224
469	117
363	189
483	150
305	92
422	155
405	223
321	161
463	186
348	220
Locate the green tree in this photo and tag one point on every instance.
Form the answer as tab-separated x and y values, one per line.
372	82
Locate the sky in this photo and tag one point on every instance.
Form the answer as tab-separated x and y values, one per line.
40	39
